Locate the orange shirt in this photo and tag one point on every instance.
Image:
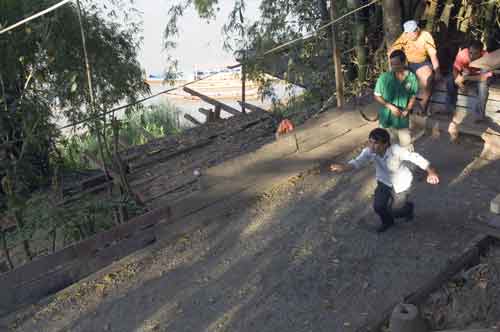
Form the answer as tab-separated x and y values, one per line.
417	50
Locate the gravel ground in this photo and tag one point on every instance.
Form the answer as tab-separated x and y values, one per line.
302	257
470	300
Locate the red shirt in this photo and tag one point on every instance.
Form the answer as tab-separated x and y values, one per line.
462	62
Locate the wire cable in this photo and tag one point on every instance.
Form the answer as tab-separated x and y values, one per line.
140	101
32	17
312	34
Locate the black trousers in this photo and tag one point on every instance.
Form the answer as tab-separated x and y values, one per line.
389	205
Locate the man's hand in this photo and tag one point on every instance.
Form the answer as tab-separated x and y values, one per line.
338	168
394	110
405	113
432	176
459	81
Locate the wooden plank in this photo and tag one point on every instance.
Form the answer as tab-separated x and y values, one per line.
56	280
205	111
192	119
469	256
163	156
223	128
95	162
91	190
92	181
212	101
490	61
263	172
493	105
42	265
486	229
172	184
250	164
470	330
252	107
317	133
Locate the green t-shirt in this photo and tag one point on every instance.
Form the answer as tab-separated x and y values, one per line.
397	93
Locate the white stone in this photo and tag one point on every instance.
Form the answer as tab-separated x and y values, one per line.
495	205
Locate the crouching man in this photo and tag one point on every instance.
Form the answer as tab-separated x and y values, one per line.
464	74
394	179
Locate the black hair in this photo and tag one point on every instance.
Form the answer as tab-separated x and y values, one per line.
380	135
398	54
476	44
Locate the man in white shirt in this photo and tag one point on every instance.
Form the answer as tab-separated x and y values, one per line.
393	176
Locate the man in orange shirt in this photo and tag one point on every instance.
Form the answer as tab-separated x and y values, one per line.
421	53
464	75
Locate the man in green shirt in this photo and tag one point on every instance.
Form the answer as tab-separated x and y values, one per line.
396	91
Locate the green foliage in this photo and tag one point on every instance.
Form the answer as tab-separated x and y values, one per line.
157	119
297	108
71	222
42	74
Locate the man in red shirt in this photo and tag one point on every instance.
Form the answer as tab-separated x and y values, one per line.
463	75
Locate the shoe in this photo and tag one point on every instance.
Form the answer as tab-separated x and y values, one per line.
384	227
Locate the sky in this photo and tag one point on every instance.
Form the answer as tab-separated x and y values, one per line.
199	43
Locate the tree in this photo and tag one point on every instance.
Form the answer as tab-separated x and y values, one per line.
392	20
42	75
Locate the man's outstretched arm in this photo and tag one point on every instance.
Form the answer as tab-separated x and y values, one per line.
417	159
432	175
340	168
364	157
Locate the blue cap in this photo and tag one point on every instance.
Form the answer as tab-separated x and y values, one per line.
410	26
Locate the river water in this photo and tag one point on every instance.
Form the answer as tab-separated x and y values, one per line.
190	106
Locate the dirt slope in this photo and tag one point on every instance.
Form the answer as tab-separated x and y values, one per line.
303	257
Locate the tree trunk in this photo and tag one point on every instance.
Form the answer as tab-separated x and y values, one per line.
392	20
360	21
339	79
464	16
446	14
408	8
26	243
430	15
6	249
419	9
490	24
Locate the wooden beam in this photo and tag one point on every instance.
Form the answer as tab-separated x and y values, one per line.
243	87
163	155
95	162
205	111
207	99
252	107
48	274
485	229
469	256
470	330
339	77
192	119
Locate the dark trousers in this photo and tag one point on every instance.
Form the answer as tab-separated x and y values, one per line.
390	205
482	95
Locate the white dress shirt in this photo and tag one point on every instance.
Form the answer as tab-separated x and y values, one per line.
389	168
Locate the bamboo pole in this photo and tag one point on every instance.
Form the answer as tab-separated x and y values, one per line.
243	86
339	79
